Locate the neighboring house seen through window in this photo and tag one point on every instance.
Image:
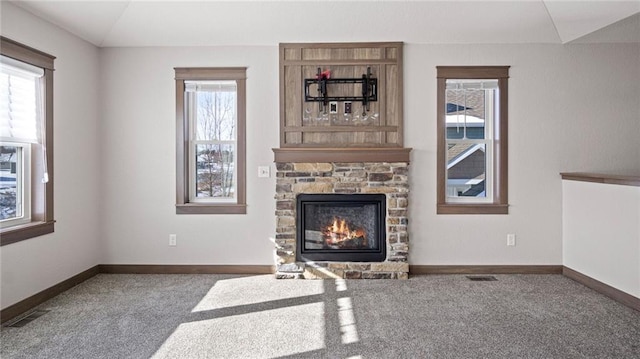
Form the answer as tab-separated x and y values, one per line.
472	140
211	140
26	148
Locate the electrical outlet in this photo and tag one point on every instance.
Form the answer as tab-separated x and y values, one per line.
264	171
511	239
173	240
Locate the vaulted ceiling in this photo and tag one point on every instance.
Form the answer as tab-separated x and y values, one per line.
208	23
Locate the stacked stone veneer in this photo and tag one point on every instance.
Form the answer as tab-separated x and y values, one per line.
349	178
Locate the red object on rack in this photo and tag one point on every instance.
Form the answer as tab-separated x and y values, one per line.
326	74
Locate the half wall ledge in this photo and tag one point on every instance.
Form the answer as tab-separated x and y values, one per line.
360	154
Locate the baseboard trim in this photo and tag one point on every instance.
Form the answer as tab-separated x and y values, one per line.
24	305
185	269
485	269
602	288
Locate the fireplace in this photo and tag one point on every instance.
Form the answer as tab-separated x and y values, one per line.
341	158
341	227
317	201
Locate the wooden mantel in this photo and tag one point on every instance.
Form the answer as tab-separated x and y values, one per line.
311	155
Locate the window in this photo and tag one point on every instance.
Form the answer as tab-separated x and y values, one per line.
210	128
472	139
26	148
15	183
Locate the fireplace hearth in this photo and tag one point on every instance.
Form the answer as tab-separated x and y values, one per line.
341	227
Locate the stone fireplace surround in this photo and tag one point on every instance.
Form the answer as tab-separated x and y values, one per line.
390	178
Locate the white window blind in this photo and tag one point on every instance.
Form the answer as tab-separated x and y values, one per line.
210	86
471	84
19	101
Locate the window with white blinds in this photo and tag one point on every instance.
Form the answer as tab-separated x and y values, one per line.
26	142
19	124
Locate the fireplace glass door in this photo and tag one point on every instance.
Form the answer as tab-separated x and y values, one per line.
341	227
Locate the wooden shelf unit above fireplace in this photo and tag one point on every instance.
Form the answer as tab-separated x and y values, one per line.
302	124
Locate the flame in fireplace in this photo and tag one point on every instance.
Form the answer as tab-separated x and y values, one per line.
339	232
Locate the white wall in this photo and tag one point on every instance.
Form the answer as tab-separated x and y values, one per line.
572	107
139	145
33	265
601	233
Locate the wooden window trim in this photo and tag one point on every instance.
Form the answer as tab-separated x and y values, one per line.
183	206
500	157
42	220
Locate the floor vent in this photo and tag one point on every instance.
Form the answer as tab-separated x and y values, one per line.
481	278
27	318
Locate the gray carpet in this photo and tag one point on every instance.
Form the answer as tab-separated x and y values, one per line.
227	316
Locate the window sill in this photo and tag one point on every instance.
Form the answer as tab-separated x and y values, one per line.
25	231
197	208
473	208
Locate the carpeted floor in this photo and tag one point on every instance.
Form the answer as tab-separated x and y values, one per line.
227	316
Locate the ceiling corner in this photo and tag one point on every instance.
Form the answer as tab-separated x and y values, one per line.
575	19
